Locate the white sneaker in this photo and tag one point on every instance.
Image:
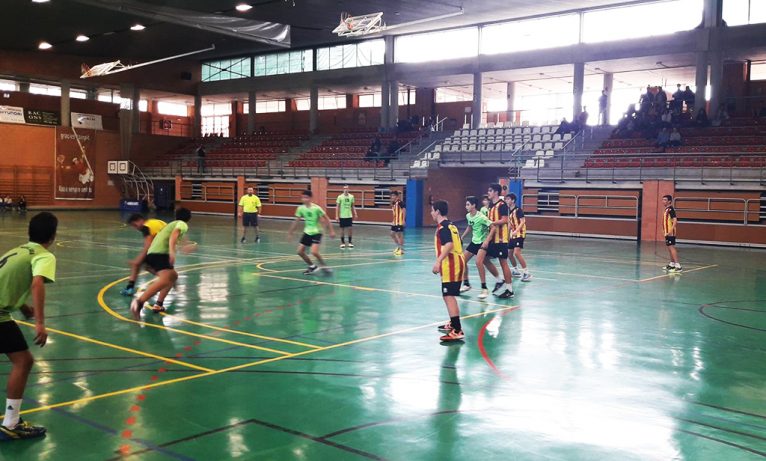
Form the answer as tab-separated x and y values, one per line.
342	246
515	272
326	270
350	245
484	293
526	277
465	288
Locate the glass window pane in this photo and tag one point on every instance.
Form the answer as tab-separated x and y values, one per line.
533	34
757	11
308	60
271	64
323	59
336	57
437	46
623	23
303	104
735	12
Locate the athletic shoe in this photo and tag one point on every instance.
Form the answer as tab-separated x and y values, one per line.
242	240
23	430
326	270
675	269
669	267
157	308
484	293
342	246
515	272
526	277
498	287
465	288
446	327
258	239
311	269
507	294
350	245
452	336
128	291
135	309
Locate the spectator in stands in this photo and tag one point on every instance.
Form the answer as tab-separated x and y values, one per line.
2	204
9	202
602	102
663	139
689	99
393	147
701	119
22	204
376	145
200	159
582	120
720	116
678	99
262	130
667	118
564	127
661	99
675	138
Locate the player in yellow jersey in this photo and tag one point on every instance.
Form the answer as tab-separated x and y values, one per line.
450	266
149	228
669	227
518	225
397	224
496	244
249	208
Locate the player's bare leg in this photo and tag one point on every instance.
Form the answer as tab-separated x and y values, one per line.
165	280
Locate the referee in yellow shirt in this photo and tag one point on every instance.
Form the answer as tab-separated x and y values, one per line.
249	207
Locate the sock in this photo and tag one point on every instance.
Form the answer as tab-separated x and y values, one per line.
524	270
349	239
509	287
12	407
514	268
483	286
159	303
455	322
342	239
467	282
499	279
131	284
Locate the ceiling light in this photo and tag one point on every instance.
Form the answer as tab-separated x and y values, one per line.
40	1
44	46
82	38
137	27
243	7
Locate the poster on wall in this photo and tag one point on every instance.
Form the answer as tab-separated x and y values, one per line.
89	121
42	117
11	114
74	179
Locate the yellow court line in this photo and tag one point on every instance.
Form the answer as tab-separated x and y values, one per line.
114	314
251	364
237	332
387	261
120	348
670	274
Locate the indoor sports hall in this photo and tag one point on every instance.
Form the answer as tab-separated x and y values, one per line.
401	230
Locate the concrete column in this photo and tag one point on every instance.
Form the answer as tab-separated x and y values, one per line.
385	116
126	117
712	13
66	111
197	129
478	82
314	109
716	81
700	79
578	84
251	112
510	96
393	110
651	209
319	189
608	83
135	98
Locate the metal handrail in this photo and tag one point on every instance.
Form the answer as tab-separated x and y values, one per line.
709	200
578	206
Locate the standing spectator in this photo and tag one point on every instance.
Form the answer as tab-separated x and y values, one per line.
678	99
661	99
602	112
22	204
582	120
675	138
689	99
200	159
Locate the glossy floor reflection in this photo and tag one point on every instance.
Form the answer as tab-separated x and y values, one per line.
600	357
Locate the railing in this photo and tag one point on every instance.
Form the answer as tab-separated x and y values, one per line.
215	192
578	207
645	170
707	207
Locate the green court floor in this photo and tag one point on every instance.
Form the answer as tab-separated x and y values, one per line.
601	357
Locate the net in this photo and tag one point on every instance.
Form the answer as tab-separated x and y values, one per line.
352	26
100	69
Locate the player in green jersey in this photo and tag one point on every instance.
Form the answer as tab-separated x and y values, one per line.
345	213
313	217
478	226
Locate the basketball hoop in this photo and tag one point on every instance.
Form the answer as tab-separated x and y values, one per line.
114	67
354	26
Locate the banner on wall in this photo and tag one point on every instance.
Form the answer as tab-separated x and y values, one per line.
11	114
74	178
88	121
42	117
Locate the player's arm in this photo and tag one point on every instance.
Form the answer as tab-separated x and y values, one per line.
674	223
466	231
337	209
173	244
445	251
258	205
294	224
328	225
240	208
353	208
147	243
38	299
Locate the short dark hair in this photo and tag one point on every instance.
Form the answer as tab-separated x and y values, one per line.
496	187
511	196
472	200
183	214
441	206
485	197
135	217
395	192
669	197
42	227
307	193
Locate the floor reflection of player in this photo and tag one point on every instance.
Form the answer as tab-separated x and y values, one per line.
450	398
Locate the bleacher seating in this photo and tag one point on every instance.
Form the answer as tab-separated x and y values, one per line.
349	150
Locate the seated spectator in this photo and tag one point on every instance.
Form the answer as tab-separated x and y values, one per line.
667	118
393	146
582	120
701	119
376	144
564	127
22	204
663	139
675	138
720	116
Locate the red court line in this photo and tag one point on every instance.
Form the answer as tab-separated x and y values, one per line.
483	349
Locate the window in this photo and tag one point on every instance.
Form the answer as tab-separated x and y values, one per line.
303	104
172	108
332	102
532	34
641	20
758	71
288	62
226	69
438	46
110	96
367	53
265	107
48	90
543	108
8	85
217	109
741	12
370	100
453	94
78	94
218	124
497	105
